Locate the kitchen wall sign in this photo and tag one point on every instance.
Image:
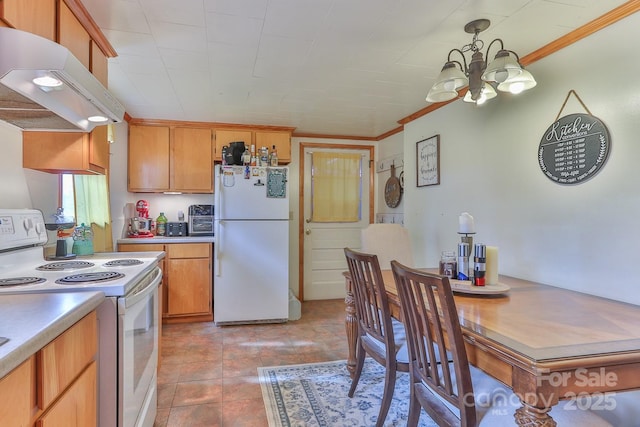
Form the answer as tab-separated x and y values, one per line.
574	148
428	161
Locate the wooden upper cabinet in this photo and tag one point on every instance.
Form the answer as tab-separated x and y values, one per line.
148	158
282	141
99	64
225	137
73	36
34	16
259	138
192	160
66	152
99	148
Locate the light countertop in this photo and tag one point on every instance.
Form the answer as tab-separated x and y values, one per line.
31	321
156	239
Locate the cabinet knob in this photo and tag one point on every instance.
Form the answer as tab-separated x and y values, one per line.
307	231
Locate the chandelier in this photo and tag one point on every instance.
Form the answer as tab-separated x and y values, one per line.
504	73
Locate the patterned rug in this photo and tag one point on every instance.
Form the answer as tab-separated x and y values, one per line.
316	395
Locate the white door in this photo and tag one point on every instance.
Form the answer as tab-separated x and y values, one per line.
324	243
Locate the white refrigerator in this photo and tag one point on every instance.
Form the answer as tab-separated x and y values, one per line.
251	249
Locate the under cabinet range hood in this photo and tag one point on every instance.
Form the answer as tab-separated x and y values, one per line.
44	87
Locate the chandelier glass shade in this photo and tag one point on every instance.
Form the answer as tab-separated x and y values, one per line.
504	73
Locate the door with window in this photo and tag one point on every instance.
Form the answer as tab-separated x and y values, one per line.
332	219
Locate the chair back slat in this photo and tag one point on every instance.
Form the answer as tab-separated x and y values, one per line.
372	305
433	335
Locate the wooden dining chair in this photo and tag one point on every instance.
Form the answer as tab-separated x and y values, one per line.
379	336
456	393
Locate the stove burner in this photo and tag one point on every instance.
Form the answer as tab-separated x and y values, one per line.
65	265
101	276
122	262
19	281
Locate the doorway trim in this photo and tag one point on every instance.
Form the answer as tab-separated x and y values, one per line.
301	219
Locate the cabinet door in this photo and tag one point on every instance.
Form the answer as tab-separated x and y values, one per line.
77	407
190	286
57	152
34	16
148	158
99	64
192	160
73	36
282	141
17	395
99	149
224	137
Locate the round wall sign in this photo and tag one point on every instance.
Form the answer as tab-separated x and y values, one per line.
574	148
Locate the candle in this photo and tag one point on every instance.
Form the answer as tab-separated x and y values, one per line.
491	275
466	224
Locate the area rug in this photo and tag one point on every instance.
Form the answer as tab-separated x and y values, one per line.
316	395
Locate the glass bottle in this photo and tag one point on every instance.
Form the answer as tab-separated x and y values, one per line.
448	264
161	225
246	157
274	157
254	158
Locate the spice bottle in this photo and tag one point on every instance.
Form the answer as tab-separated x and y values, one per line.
448	264
463	261
479	264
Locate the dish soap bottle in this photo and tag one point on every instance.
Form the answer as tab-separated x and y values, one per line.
161	225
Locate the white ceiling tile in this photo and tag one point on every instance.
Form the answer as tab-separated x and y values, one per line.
348	67
179	36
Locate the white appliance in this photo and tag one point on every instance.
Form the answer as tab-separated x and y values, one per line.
251	267
128	329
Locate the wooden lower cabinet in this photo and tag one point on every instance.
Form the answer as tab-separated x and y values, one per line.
187	279
18	395
57	386
75	407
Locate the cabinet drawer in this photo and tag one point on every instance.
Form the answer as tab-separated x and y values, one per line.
188	250
78	405
64	358
140	247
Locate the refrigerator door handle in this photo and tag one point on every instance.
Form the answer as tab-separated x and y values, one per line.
216	251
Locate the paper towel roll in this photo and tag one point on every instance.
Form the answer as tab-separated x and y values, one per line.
491	275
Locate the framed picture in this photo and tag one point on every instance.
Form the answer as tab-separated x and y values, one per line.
428	161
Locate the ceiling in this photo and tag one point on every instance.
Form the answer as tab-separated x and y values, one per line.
330	67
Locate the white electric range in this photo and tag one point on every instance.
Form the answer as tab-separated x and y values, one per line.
128	329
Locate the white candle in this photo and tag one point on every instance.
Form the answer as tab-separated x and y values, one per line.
491	275
466	224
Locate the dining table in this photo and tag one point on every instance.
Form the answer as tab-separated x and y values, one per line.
548	344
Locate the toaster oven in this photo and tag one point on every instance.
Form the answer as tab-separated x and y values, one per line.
201	220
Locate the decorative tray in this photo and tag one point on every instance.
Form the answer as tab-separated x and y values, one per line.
465	287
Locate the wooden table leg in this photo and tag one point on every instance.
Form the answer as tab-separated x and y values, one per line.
351	326
530	416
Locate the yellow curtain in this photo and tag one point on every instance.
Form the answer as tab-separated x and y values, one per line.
92	208
336	188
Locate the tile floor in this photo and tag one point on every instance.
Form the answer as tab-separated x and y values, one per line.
208	374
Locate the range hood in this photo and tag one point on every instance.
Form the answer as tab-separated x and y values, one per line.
68	106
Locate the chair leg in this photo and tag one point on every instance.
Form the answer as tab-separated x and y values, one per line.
360	355
414	407
389	386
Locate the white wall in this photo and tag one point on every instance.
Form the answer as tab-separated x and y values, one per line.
580	237
24	188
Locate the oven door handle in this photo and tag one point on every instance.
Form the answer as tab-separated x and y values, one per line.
141	291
